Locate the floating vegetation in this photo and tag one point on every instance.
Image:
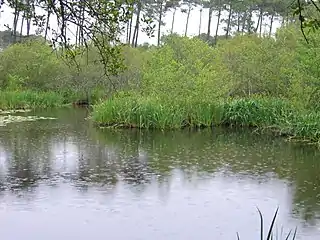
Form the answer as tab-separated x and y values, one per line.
4	120
14	111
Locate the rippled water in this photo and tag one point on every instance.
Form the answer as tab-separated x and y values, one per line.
65	179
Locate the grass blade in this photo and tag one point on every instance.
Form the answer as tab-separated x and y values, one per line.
295	234
288	235
261	224
272	225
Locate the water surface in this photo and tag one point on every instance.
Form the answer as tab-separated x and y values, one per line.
65	179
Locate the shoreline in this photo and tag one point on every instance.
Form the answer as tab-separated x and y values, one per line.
266	116
263	115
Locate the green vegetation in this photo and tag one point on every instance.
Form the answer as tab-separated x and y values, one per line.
265	113
29	99
271	234
247	80
246	77
32	76
264	82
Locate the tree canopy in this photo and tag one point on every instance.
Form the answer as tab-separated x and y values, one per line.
101	23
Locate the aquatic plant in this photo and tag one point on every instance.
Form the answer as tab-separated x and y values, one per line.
152	112
29	99
14	111
4	120
271	234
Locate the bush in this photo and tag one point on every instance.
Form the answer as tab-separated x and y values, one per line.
183	68
33	66
243	81
30	65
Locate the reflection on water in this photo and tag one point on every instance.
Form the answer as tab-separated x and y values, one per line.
64	178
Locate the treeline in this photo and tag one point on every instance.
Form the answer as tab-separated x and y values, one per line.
232	16
245	65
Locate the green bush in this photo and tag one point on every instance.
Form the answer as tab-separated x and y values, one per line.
182	68
34	66
31	65
244	81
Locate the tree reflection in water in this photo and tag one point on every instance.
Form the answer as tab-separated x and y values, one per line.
95	157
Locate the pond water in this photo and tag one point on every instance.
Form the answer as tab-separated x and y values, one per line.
65	179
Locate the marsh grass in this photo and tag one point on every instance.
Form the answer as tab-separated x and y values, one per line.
29	99
271	234
258	112
275	115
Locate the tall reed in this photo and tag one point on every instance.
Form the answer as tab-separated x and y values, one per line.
271	235
164	113
29	99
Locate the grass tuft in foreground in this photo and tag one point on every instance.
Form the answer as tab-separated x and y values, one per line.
271	235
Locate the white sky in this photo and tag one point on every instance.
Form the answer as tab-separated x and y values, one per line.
6	17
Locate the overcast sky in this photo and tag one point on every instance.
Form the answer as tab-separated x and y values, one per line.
6	17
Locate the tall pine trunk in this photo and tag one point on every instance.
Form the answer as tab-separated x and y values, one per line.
28	26
244	22
217	27
187	23
81	27
160	21
127	32
259	21
209	23
29	15
77	36
229	21
271	24
200	22
15	21
238	21
47	27
21	27
130	29
136	28
249	20
173	17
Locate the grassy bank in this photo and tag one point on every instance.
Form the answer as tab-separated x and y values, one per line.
266	114
182	83
29	99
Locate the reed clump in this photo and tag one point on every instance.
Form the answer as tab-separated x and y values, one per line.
271	233
29	99
275	115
